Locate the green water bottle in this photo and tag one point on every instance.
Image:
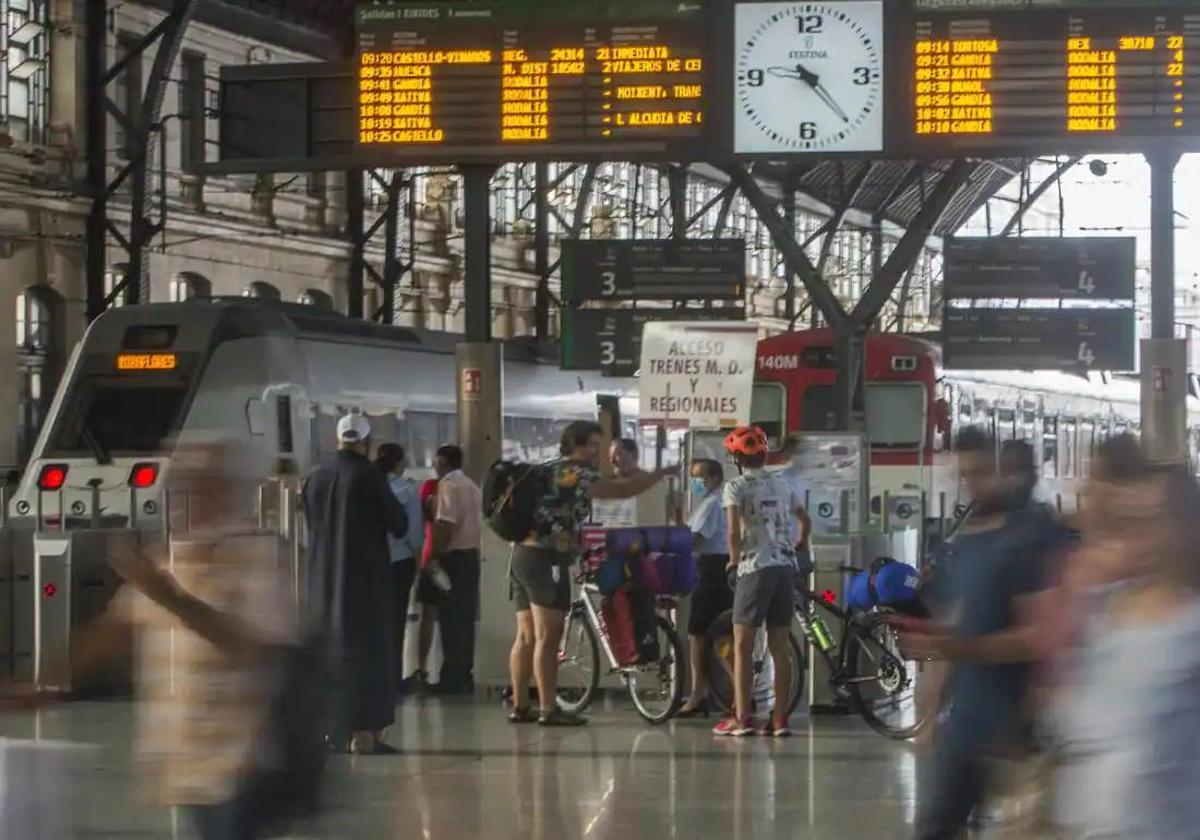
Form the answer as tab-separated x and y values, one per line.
820	632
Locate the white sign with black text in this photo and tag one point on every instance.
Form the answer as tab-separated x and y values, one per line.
697	373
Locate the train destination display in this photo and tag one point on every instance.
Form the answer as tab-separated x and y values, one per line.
513	80
610	340
1039	339
1089	268
996	74
653	269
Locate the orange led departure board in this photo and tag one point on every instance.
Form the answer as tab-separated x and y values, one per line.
995	74
513	80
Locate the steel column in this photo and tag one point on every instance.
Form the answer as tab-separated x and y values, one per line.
541	250
477	251
96	131
391	234
789	219
1162	243
677	180
354	230
141	229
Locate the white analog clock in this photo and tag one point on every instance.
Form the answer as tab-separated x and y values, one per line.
808	77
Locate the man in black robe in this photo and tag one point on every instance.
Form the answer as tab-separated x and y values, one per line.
350	511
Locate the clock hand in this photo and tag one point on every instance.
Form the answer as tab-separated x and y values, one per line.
829	100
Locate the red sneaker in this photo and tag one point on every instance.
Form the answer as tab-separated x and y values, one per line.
735	728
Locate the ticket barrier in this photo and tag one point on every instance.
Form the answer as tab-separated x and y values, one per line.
61	580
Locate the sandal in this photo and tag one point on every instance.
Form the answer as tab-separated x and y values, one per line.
522	715
560	718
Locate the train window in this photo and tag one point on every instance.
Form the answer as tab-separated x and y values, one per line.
1087	443
122	418
149	337
283	422
1068	436
1050	447
767	410
818	410
818	358
896	415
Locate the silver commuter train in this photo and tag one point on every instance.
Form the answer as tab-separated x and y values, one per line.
275	376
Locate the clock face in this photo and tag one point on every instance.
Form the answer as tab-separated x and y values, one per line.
809	77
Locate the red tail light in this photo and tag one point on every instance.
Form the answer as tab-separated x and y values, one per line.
829	596
52	477
143	475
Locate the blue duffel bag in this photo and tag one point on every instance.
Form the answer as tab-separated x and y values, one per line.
888	583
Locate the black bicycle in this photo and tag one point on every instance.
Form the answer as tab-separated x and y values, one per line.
867	669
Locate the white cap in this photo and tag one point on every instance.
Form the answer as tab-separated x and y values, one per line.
353	428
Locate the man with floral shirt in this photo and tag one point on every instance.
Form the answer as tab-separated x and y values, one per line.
541	565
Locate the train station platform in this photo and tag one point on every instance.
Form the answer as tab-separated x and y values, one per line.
464	772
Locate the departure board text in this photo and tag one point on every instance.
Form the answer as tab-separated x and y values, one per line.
505	80
1050	78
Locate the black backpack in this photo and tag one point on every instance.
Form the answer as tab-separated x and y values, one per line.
511	493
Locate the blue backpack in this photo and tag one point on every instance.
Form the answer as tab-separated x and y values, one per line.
888	583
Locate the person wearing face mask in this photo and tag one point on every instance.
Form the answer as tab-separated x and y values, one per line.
712	595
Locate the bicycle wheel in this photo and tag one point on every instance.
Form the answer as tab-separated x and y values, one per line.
578	665
718	662
657	687
881	682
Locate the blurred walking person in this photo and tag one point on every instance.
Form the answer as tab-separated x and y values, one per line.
406	551
998	562
431	583
1127	723
351	511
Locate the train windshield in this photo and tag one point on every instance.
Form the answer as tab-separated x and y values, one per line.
113	416
896	415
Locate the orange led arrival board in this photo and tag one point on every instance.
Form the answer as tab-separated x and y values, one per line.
519	80
1002	74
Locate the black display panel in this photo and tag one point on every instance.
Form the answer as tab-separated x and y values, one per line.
503	81
610	340
991	76
653	269
1100	268
1039	339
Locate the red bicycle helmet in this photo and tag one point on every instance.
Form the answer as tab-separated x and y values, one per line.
747	440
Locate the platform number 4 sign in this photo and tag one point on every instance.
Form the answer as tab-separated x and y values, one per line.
1086	357
1086	284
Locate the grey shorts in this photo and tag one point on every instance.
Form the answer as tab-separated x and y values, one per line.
765	595
541	578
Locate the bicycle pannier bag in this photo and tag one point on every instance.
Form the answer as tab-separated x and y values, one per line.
617	614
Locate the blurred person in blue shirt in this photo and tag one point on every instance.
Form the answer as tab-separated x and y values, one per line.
712	595
405	551
998	562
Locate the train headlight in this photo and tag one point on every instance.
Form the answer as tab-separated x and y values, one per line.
150	507
78	508
22	507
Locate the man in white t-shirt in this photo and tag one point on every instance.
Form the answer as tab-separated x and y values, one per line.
762	510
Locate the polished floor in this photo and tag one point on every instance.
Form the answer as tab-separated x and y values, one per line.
464	772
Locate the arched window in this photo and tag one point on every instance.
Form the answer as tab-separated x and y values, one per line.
188	285
317	298
38	309
113	279
262	290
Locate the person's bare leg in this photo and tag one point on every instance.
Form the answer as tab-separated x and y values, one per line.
520	660
547	630
363	743
743	669
699	677
781	655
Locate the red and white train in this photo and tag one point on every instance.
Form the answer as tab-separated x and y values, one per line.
914	408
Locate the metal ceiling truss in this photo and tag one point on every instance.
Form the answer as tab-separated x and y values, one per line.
1032	197
143	130
393	186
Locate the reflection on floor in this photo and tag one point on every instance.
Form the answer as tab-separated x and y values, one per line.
465	772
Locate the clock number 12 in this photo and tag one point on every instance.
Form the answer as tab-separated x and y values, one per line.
811	24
